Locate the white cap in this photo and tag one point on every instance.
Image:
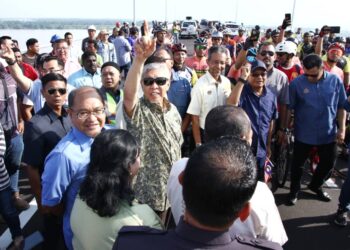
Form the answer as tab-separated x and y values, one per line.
92	27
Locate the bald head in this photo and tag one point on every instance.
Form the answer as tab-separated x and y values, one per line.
83	91
228	120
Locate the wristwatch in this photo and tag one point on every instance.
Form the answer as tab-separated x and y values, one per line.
242	80
11	62
198	145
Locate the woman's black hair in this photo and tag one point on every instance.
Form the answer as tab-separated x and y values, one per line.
107	180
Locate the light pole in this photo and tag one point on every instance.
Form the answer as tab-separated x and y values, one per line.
134	15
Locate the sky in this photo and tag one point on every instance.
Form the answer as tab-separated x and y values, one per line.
308	13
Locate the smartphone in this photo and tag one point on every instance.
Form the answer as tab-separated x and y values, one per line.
288	16
334	29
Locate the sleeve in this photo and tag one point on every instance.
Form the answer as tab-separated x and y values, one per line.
292	95
55	178
347	66
275	111
196	101
342	95
283	97
33	153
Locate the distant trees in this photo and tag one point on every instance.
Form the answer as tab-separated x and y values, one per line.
57	23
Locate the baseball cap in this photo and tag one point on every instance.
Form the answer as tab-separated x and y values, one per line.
92	27
257	64
54	38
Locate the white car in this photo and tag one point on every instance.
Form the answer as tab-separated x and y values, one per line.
189	29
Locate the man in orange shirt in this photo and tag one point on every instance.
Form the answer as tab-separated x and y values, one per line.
198	62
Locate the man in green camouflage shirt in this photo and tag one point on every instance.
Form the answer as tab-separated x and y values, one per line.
155	122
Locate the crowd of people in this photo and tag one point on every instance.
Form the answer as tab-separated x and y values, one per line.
127	133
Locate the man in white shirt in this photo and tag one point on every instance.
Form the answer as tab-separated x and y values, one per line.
211	90
264	220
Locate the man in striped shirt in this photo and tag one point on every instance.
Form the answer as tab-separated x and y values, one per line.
7	208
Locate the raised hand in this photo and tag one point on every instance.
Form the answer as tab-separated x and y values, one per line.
145	46
6	51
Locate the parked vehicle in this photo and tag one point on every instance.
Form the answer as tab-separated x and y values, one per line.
189	29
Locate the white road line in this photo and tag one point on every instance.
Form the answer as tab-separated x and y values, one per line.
24	217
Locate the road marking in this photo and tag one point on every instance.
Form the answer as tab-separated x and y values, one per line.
24	217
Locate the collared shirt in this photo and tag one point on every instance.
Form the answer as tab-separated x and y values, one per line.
315	108
65	169
41	135
122	50
263	222
186	236
83	78
208	94
160	137
34	94
261	110
277	82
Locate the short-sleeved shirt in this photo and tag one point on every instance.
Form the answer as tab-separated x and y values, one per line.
277	82
208	94
200	65
41	135
264	220
83	78
160	137
315	108
65	169
261	110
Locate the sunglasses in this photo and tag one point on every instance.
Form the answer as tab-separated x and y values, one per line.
160	81
201	47
281	54
60	90
270	53
263	74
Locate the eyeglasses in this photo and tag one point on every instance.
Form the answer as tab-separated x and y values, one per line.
263	74
281	53
264	53
84	114
201	47
160	81
216	38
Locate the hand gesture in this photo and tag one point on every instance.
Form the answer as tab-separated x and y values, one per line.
245	71
286	23
144	46
248	44
324	31
6	51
